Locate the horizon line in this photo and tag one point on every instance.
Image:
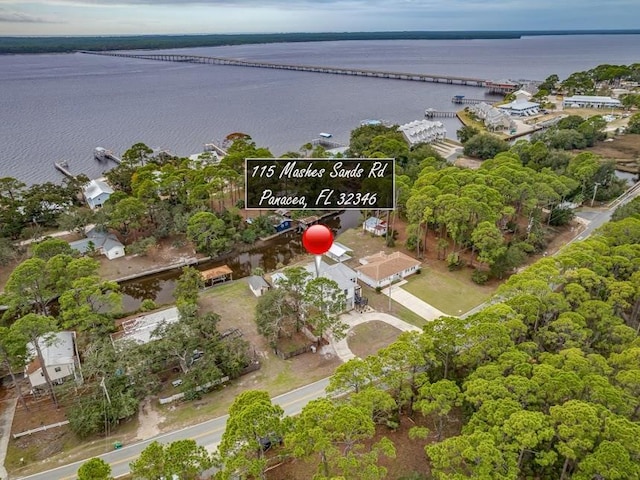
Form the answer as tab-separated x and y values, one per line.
536	32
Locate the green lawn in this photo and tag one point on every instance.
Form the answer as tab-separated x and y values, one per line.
367	338
452	292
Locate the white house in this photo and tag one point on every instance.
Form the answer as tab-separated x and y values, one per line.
590	101
103	242
381	269
521	106
375	225
96	192
345	277
258	285
423	131
59	359
140	329
493	118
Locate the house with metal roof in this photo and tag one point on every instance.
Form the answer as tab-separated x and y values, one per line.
381	269
521	106
345	277
140	329
96	192
58	353
423	131
493	118
591	101
101	242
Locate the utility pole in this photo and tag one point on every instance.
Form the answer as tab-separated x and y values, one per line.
595	190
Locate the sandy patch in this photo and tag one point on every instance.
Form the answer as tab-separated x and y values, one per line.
149	420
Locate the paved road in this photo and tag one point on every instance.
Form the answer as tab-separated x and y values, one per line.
207	434
595	218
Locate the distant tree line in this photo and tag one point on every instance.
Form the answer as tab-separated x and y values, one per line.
15	45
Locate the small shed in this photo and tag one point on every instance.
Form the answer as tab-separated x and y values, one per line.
216	275
375	225
258	285
339	252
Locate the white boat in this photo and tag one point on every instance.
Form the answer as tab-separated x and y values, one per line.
325	135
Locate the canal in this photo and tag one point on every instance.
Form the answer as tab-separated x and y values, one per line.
269	256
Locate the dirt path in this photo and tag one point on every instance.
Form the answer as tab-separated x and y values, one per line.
149	420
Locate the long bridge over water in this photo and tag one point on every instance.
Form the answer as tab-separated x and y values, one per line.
501	87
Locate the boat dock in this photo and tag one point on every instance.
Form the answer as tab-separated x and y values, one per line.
212	147
431	113
63	167
328	144
505	86
102	154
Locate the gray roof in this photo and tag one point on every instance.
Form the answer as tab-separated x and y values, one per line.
257	282
140	329
516	105
95	188
344	276
100	239
58	352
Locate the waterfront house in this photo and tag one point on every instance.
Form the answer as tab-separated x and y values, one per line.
99	241
591	101
521	106
345	277
381	269
423	131
140	329
375	225
96	192
58	353
258	285
493	118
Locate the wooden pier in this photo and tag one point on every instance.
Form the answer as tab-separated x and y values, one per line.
324	143
212	147
358	72
431	113
461	99
62	167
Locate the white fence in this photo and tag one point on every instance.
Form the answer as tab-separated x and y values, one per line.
180	396
40	429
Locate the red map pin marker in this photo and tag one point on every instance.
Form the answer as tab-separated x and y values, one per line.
317	239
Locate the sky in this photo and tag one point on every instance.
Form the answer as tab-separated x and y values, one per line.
109	17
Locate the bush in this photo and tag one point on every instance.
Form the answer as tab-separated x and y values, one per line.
454	262
480	277
560	216
485	146
378	289
148	305
142	247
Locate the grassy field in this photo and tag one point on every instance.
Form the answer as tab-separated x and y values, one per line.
453	293
367	338
235	304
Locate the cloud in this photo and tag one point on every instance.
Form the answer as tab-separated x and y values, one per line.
7	16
